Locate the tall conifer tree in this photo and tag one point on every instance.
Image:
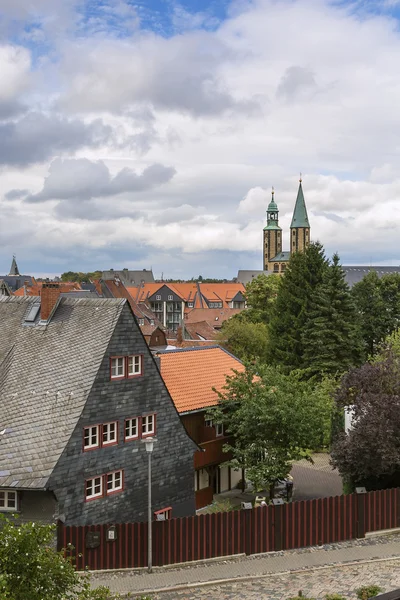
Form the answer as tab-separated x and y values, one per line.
331	337
303	275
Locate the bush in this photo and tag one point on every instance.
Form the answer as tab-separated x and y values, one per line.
368	591
31	569
334	597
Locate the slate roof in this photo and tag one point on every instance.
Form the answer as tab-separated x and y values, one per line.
281	257
354	274
15	282
190	375
245	276
46	373
135	278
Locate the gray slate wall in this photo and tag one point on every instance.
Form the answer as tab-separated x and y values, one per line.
172	460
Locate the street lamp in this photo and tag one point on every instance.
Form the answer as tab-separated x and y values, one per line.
149	443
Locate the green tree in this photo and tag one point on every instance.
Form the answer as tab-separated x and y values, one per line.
274	419
331	336
246	340
369	454
260	296
30	569
303	275
378	303
80	277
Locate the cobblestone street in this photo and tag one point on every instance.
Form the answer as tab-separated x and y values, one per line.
343	580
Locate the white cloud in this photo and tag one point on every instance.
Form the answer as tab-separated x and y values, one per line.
280	87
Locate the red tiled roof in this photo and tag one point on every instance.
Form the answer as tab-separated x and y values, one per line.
36	288
190	375
213	316
200	330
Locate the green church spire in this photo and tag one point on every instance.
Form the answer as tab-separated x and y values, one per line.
300	217
272	214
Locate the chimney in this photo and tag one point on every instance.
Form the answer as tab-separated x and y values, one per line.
49	296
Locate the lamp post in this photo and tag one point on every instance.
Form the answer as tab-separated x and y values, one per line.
149	443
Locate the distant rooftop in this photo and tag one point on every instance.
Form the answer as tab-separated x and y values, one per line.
131	278
355	273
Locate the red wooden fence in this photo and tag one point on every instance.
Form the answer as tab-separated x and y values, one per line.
264	529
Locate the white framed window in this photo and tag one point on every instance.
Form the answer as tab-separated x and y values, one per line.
141	321
132	428
190	304
219	430
134	365
117	367
94	488
158	297
114	482
8	500
208	423
91	437
110	433
148	425
170	297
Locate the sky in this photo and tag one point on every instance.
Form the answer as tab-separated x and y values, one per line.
149	133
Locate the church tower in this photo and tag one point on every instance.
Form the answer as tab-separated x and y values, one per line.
272	234
300	225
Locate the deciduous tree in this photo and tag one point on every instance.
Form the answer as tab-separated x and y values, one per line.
369	454
274	419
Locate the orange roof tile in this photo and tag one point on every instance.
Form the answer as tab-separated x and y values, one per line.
214	316
191	374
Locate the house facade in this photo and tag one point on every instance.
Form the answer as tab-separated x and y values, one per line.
191	376
79	392
175	303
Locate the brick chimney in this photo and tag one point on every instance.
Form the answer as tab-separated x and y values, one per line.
49	296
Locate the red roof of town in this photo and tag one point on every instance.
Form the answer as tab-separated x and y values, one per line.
191	374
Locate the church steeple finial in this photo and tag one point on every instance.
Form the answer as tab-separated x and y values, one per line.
14	267
301	177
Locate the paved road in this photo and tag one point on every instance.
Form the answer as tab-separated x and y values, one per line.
314	584
268	567
316	480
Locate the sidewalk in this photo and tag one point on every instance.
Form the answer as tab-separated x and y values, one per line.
137	582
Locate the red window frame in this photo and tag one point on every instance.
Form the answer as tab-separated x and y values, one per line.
117	491
118	377
138	429
167	511
127	366
99	436
114	442
101	477
145	435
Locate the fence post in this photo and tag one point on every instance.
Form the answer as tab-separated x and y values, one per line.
246	526
361	497
60	535
277	516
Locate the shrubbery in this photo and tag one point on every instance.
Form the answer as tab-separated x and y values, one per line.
31	569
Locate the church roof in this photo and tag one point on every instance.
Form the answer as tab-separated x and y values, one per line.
14	267
281	257
300	217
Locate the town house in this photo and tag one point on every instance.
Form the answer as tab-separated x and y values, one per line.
79	392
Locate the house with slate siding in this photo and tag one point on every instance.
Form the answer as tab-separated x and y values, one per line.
79	392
